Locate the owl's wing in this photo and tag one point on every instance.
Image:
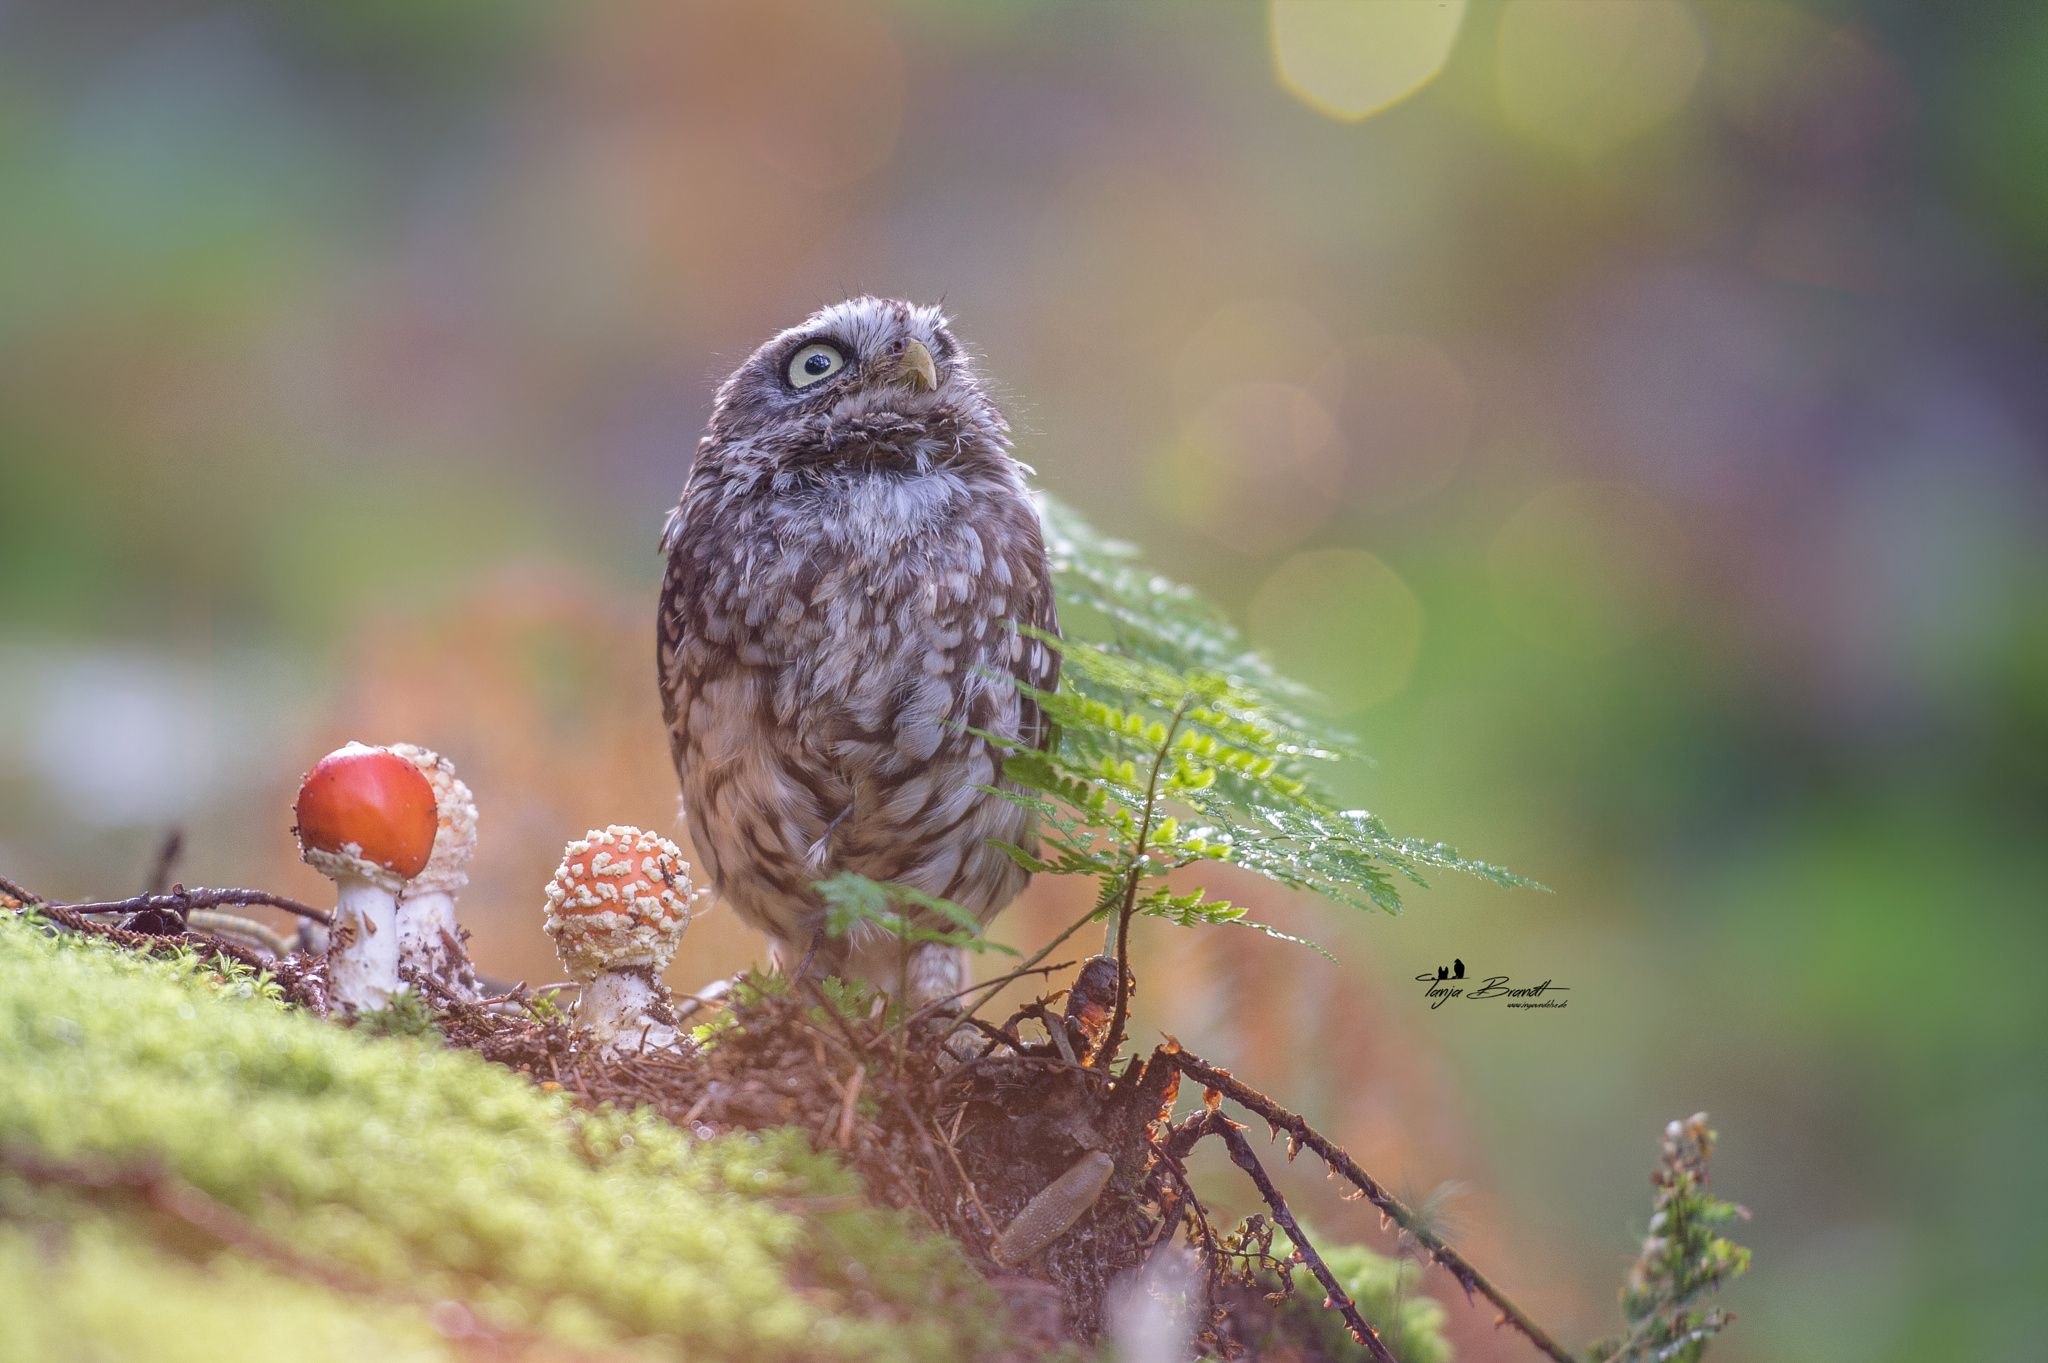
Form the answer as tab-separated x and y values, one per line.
676	592
1035	663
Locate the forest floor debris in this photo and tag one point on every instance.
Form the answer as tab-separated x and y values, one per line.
966	1141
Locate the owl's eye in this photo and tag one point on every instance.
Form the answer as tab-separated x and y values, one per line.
815	362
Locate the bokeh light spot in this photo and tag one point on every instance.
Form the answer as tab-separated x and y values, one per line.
1408	419
1351	61
1257	464
1584	568
813	93
1114	252
1587	75
1342	621
1254	339
832	106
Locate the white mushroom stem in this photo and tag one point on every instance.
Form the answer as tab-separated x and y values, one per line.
616	1009
362	955
429	940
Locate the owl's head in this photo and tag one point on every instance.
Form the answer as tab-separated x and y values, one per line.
868	384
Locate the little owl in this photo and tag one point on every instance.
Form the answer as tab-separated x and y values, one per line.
847	569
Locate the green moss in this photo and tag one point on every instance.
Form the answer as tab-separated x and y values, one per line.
1389	1295
430	1172
408	1015
94	1291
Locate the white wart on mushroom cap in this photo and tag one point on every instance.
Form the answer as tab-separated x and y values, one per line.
619	901
447	868
429	934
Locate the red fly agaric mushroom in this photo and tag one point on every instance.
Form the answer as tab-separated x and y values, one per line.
366	822
617	907
429	939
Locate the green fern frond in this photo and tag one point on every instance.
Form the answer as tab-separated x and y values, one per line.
1176	743
1106	593
853	902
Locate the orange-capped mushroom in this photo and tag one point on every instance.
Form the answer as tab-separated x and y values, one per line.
366	821
369	812
616	909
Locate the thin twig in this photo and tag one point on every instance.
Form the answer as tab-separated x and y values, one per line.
988	1221
1030	966
166	862
180	900
711	995
854	1045
14	891
844	1135
238	929
1211	1122
65	916
1192	1210
856	1049
933	1006
1125	911
1301	1133
1019	1060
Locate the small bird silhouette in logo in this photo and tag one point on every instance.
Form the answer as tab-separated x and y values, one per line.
1457	969
1443	973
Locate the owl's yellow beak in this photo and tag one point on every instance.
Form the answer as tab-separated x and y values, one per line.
916	364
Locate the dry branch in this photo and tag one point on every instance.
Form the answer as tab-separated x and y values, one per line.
1300	1133
1211	1122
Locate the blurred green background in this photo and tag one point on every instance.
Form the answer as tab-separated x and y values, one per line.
1629	413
